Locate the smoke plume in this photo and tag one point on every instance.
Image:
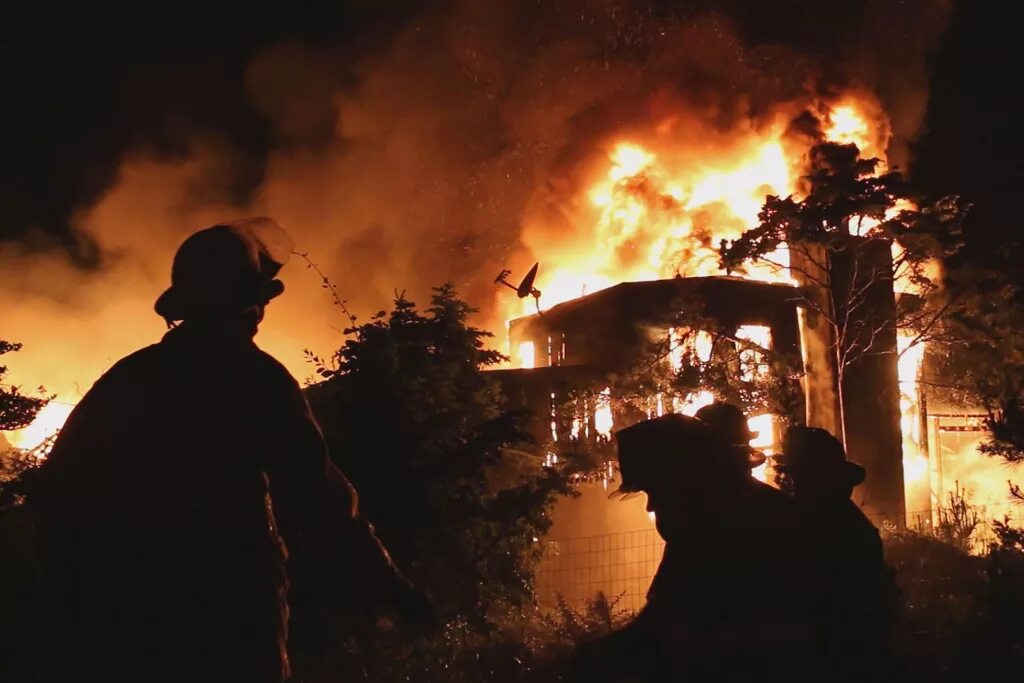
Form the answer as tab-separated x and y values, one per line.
424	159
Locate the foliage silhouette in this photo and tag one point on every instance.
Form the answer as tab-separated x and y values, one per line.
444	470
839	237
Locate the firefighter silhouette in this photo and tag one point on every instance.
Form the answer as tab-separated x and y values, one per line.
190	484
858	593
728	423
729	600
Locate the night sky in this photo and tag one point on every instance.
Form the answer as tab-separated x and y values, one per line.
83	82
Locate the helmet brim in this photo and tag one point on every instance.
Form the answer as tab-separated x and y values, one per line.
174	304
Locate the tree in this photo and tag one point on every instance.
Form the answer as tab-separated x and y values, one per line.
840	236
421	429
17	410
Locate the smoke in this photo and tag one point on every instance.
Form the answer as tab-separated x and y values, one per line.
423	159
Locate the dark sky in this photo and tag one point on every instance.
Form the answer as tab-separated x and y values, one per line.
973	144
86	80
83	82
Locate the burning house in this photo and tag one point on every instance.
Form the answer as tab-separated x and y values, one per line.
644	270
583	342
621	164
916	452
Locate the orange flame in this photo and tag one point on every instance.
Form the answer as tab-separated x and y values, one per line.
48	422
660	206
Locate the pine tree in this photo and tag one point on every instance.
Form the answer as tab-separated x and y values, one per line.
17	410
421	429
839	236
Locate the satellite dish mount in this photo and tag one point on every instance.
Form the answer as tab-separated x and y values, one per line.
525	288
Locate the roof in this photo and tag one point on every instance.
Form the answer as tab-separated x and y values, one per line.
725	299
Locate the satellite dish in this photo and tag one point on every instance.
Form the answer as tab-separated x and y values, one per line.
525	287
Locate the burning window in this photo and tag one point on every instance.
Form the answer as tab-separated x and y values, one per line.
753	363
525	354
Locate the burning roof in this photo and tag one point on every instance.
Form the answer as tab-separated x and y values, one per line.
605	328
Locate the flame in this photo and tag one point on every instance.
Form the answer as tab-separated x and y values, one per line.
764	426
756	334
695	402
985	480
752	365
681	342
676	348
525	354
659	207
603	413
649	217
577	427
845	125
661	203
48	422
703	345
628	161
752	361
915	458
857	118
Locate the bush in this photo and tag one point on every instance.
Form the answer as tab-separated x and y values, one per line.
962	614
448	477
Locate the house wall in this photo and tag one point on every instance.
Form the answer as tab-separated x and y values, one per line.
597	544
